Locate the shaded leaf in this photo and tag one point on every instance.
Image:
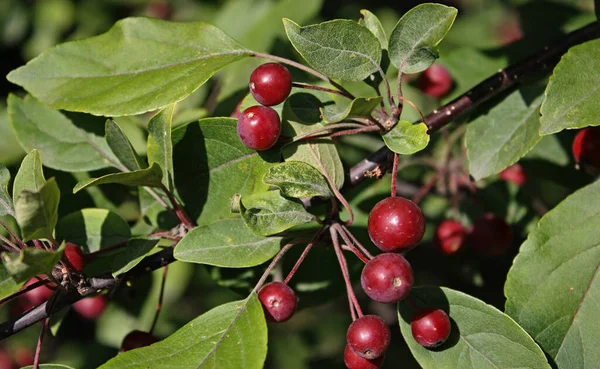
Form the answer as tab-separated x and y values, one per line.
63	145
121	147
373	24
358	108
116	73
6	204
298	180
413	42
233	335
150	177
550	149
553	287
160	146
406	138
226	243
339	48
572	95
8	286
30	175
121	259
268	213
37	211
30	262
481	337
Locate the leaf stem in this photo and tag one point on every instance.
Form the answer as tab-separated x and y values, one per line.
272	264
345	232
13	235
160	298
308	247
179	211
344	267
319	88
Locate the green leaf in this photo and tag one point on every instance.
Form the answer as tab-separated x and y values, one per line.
226	243
414	40
553	287
298	180
37	211
572	95
160	146
121	259
93	229
356	52
373	24
140	64
233	335
358	108
8	286
268	213
150	177
64	146
49	366
406	138
482	337
6	205
30	262
550	149
11	152
121	147
500	138
30	176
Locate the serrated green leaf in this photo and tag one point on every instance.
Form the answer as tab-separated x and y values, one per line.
358	108
30	176
553	287
92	229
298	180
233	335
121	147
572	95
30	262
37	211
406	138
121	259
226	243
160	146
482	337
355	50
150	177
268	213
6	204
8	286
413	42
116	73
373	24
500	138
63	145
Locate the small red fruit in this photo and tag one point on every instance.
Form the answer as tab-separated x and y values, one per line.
450	236
35	296
91	307
278	300
514	174
23	356
490	235
368	336
137	339
5	360
396	224
353	361
73	257
258	127
435	81
586	147
387	278
430	327
270	84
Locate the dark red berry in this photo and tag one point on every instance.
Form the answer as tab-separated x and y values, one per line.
36	296
450	236
368	336
353	361
5	360
435	81
278	301
387	278
396	224
586	147
514	174
73	257
137	339
430	327
270	84
490	235
23	356
91	307
258	127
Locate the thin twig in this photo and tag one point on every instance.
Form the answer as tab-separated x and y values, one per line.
346	232
179	211
318	88
9	243
160	298
13	235
344	267
308	247
394	175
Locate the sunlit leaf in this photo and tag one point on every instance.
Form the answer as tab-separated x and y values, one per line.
150	177
406	138
298	180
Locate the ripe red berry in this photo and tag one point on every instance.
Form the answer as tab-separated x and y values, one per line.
387	278
270	84
450	236
396	224
5	360
586	147
435	81
258	127
73	257
91	307
35	296
137	339
490	235
278	301
353	361
515	174
368	336
430	327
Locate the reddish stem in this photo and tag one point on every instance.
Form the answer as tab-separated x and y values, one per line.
160	298
179	211
32	286
394	174
9	243
308	247
352	242
355	252
274	262
318	88
345	273
13	235
425	189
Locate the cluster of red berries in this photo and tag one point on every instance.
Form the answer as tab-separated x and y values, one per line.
259	126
